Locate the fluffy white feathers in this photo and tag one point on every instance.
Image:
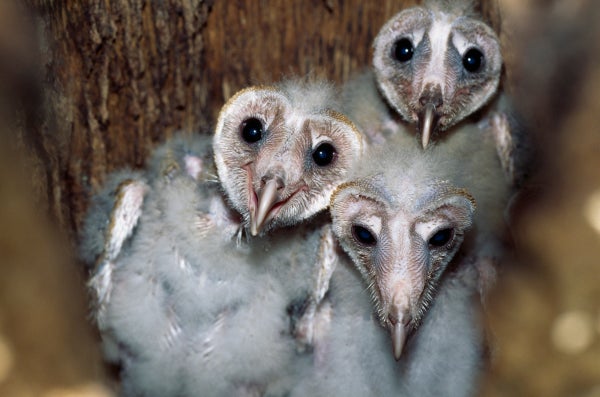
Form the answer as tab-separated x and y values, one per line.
186	305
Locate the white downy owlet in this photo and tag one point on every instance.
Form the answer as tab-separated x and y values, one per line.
184	302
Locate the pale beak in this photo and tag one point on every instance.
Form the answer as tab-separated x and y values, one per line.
427	124
398	339
267	198
399	319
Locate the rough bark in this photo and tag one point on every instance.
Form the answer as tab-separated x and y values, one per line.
122	75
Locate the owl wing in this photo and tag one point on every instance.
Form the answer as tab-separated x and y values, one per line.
317	314
126	211
499	127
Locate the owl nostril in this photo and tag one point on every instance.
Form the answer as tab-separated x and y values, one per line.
436	100
278	181
433	95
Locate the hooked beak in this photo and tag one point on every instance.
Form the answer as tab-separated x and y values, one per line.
399	318
428	123
267	199
398	333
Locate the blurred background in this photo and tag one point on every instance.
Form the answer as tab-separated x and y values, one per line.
87	87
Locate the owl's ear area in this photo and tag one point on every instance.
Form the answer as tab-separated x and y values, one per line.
405	23
348	198
471	32
251	101
343	194
342	126
458	205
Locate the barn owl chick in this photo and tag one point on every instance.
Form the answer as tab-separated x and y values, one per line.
401	243
184	306
281	151
437	64
404	215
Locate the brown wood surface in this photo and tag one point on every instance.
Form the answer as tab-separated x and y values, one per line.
121	76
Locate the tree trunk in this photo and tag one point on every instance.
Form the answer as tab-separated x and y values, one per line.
123	75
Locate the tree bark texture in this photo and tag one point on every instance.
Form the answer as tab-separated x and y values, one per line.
122	75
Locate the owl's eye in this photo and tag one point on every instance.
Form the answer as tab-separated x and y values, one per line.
403	50
440	238
252	130
472	60
363	235
324	154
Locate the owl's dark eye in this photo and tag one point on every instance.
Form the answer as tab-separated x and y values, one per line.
363	235
472	60
252	130
324	154
403	50
441	238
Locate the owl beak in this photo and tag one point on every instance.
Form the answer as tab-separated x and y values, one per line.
428	118
431	98
267	199
399	319
398	339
